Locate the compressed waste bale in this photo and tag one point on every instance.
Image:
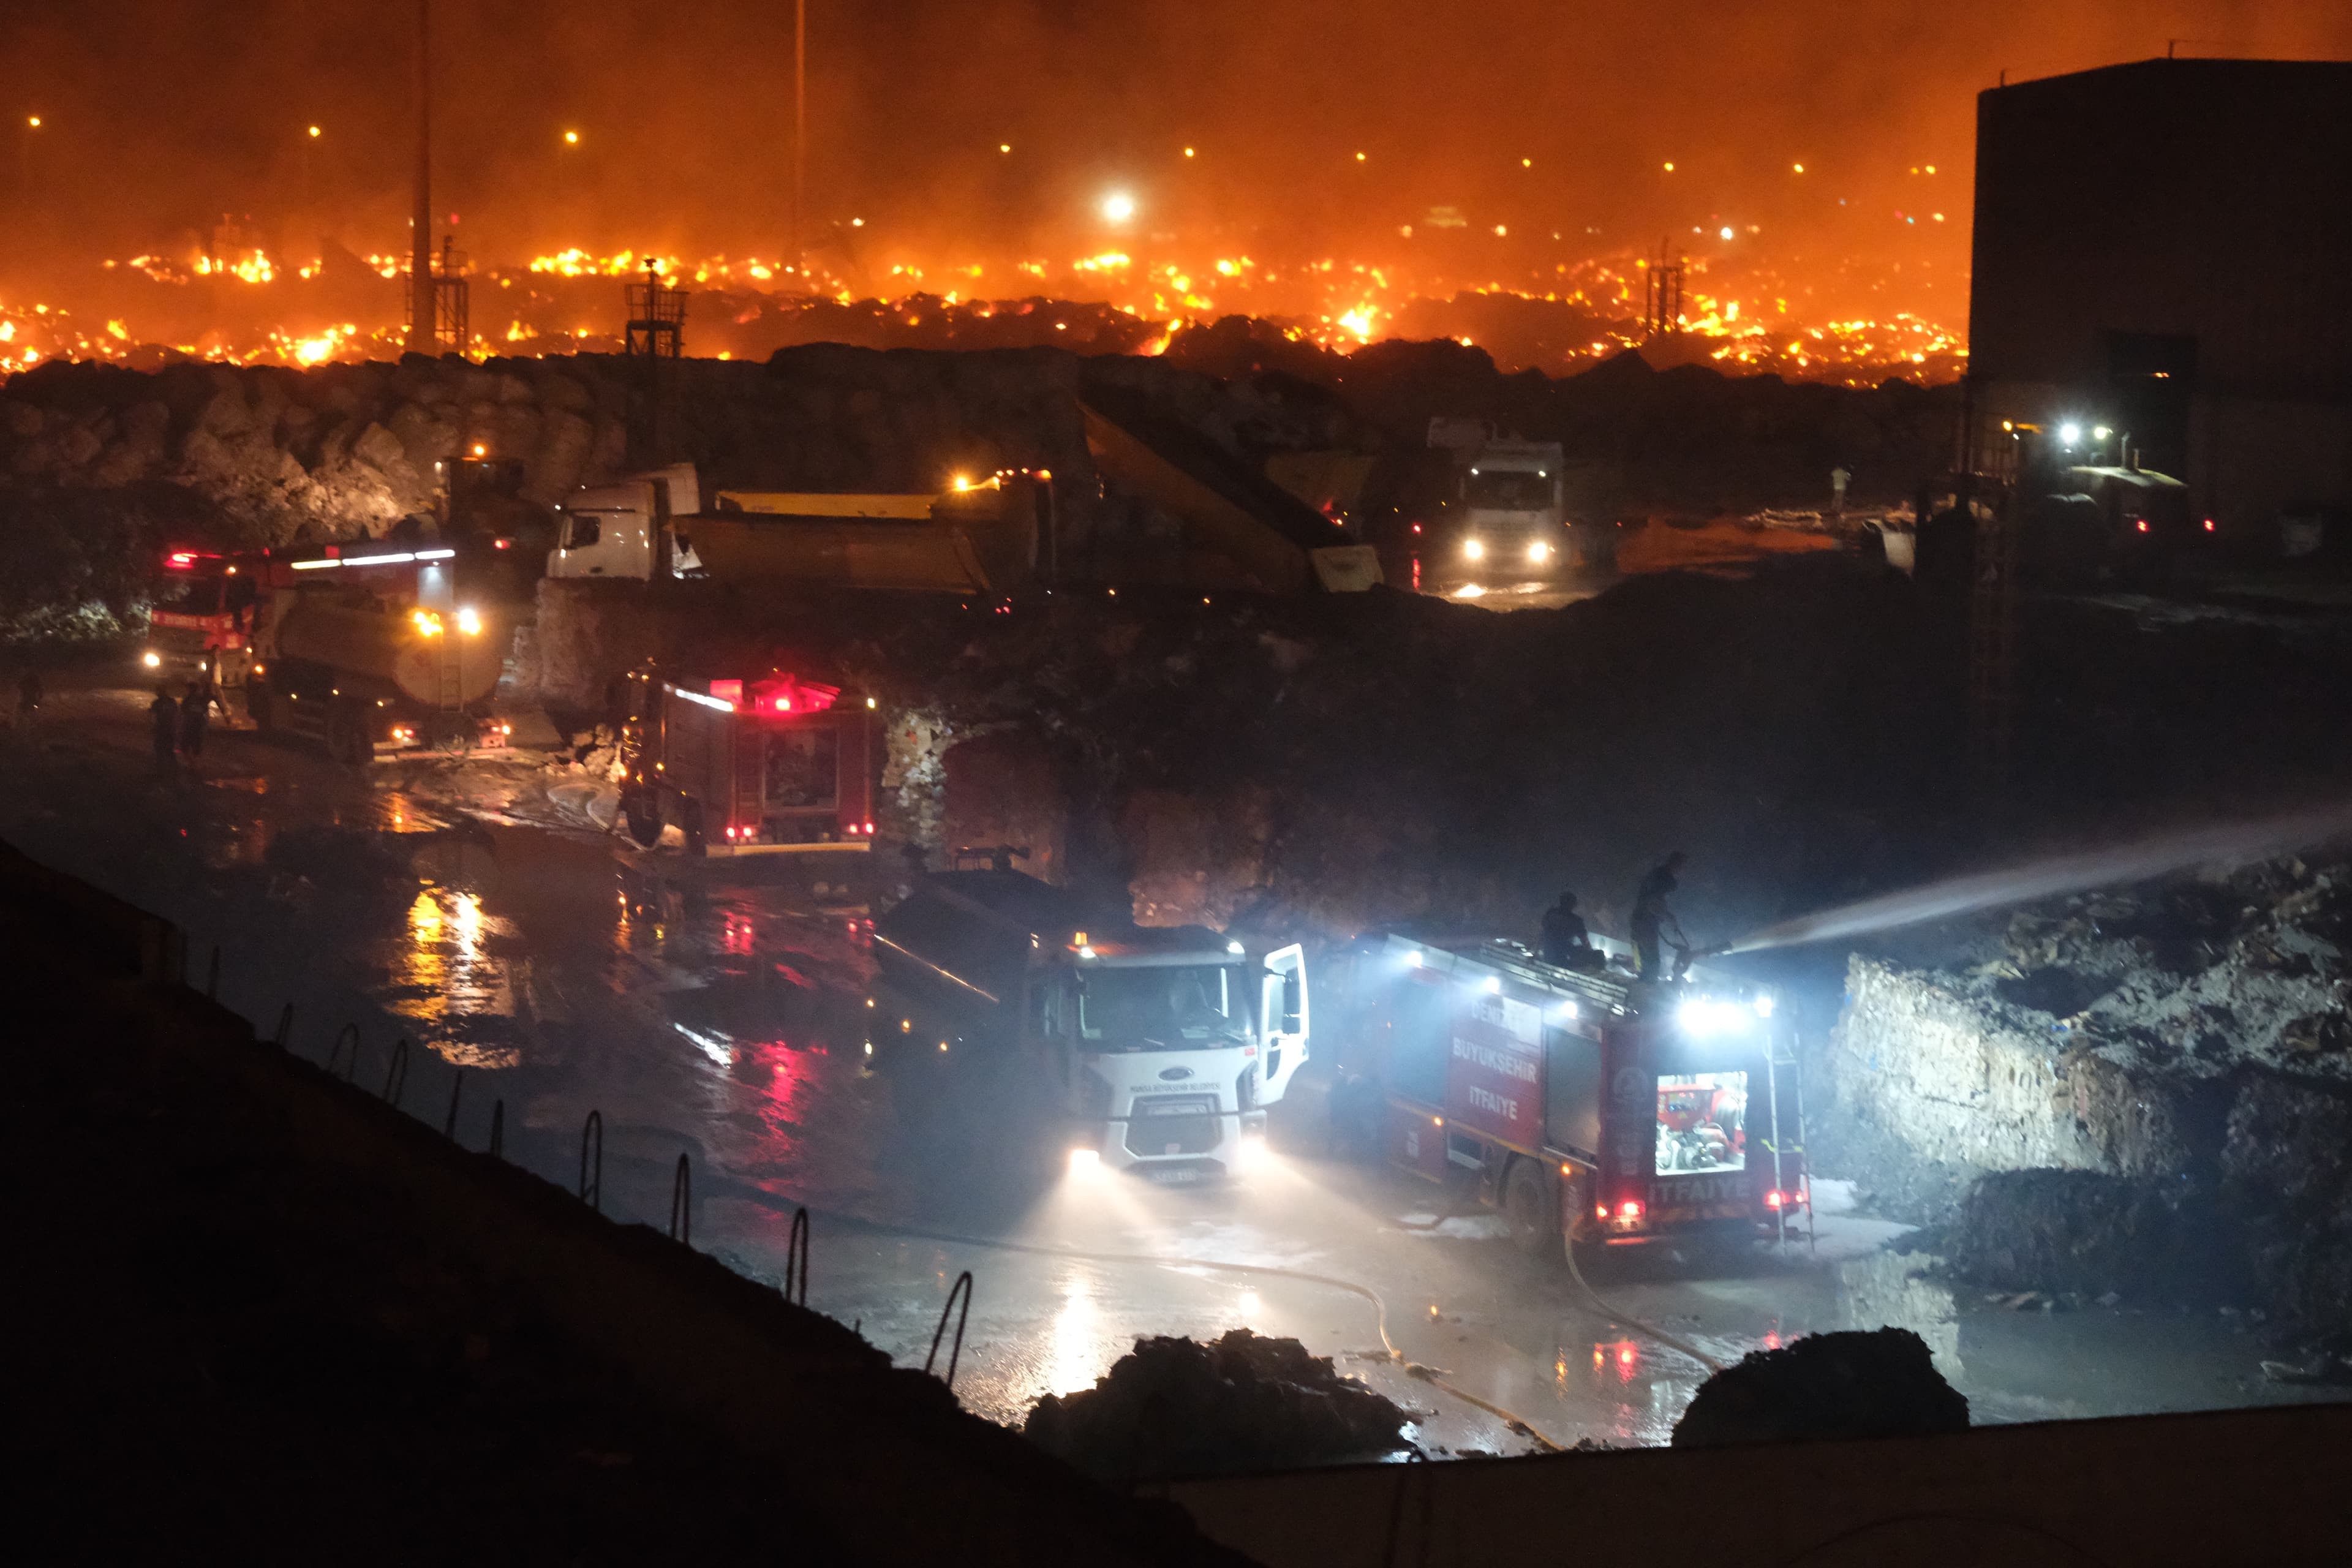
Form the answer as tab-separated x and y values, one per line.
1879	1383
1241	1402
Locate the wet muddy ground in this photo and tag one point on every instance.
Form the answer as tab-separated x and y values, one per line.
478	911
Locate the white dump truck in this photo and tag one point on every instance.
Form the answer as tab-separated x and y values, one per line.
1006	1008
977	537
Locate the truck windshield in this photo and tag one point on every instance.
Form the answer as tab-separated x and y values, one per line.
1702	1123
1159	1009
191	593
1502	489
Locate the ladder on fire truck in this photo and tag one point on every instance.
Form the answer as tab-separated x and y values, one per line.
1784	1079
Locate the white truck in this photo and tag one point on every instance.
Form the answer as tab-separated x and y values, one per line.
976	537
1006	1009
1508	516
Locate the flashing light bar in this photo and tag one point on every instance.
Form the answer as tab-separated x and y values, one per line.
399	557
719	703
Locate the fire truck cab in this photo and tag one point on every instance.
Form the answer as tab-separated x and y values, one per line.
1590	1106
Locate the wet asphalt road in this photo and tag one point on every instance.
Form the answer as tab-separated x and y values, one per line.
478	911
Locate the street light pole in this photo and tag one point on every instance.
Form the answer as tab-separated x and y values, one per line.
421	307
800	132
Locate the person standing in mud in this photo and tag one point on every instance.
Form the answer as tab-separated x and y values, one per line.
1654	918
195	716
163	715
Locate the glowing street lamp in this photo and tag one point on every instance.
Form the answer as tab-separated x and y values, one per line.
572	139
1118	207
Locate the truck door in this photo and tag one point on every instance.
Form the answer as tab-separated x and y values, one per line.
1283	994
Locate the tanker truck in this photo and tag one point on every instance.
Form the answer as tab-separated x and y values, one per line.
363	648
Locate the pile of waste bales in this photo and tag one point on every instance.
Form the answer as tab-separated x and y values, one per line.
1241	1402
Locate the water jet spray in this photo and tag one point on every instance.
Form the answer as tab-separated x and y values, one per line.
2133	862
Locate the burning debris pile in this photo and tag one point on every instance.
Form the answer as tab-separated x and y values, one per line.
1882	1384
2146	1091
1241	1402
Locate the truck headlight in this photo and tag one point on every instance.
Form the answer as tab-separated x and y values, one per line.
1538	553
152	659
1474	550
1085	1164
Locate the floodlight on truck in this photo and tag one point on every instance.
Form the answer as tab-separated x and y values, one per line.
1085	1164
152	659
1538	553
469	621
1474	550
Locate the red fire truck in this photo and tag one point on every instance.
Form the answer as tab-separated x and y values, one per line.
748	766
1590	1106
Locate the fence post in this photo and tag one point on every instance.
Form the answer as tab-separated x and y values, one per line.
592	1179
681	1204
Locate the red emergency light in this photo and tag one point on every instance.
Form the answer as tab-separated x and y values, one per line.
2143	525
184	560
790	694
2208	525
1629	1209
1775	1199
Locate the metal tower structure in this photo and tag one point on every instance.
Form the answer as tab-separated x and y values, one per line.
1662	301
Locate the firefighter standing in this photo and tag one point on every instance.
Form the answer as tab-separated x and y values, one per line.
1652	917
196	714
163	713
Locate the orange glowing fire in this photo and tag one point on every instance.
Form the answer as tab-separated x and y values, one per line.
1740	311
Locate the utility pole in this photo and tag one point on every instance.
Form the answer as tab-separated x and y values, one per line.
800	132
421	302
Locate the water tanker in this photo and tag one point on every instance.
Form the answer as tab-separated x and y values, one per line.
393	649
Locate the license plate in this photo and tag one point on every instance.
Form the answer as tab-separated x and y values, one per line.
1178	1176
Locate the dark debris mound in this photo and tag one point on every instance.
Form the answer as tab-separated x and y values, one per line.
1176	1406
2087	1233
1882	1384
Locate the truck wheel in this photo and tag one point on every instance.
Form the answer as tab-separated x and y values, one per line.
691	825
1531	1207
641	815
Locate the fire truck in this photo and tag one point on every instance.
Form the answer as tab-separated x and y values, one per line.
1011	1007
748	766
1590	1106
363	648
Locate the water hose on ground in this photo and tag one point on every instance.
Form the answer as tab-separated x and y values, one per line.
1618	1314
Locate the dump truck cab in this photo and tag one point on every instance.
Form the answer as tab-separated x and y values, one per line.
623	531
1150	1050
1590	1106
1508	517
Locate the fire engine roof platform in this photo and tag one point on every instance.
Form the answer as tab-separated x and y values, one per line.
1507	963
